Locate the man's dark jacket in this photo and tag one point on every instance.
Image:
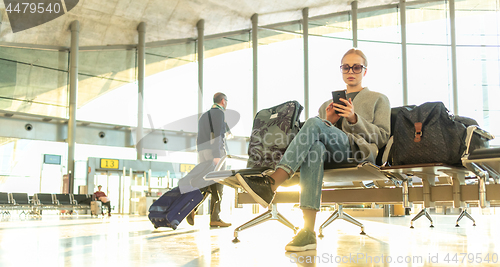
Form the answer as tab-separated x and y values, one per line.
203	140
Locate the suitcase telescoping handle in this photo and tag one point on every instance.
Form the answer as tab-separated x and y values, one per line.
185	206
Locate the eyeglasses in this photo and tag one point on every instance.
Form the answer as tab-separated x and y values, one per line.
356	68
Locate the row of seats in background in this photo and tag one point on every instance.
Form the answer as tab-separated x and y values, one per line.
33	205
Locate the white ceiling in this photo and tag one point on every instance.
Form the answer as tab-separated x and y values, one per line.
114	22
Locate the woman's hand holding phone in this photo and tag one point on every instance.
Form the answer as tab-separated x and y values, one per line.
347	111
343	107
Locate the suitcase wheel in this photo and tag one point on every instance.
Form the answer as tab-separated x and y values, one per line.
174	224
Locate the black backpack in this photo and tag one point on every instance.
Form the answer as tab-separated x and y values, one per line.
273	130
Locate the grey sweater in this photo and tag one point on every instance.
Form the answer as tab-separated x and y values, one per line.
372	130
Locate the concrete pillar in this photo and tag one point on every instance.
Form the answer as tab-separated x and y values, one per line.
354	9
404	53
73	93
305	32
255	47
454	70
201	40
141	73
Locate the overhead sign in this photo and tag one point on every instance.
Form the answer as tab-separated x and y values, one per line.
109	164
150	156
186	167
52	159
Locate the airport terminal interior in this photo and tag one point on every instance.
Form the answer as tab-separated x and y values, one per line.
109	93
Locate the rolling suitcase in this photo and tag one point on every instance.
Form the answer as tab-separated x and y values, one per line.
95	208
171	208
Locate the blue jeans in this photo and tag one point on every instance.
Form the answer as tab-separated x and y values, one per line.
317	141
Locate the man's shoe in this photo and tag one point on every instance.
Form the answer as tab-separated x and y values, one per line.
219	223
190	218
259	187
304	240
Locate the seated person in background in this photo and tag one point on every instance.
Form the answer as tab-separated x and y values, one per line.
101	196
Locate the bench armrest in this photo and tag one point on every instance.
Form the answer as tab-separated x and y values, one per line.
388	146
474	129
223	160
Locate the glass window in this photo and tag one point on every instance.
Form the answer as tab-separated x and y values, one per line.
325	55
429	75
380	39
281	68
429	54
105	86
478	62
55	60
159	59
385	72
477	22
117	106
171	99
338	26
380	25
171	94
427	23
34	81
228	69
23	169
329	39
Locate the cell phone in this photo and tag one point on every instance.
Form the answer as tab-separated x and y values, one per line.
337	95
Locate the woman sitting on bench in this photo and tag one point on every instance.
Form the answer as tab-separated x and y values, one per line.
339	132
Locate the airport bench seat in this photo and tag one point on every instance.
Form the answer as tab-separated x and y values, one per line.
337	178
82	201
44	201
5	203
23	202
4	199
349	184
47	201
65	202
485	163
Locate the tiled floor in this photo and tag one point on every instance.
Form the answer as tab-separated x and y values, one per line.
132	241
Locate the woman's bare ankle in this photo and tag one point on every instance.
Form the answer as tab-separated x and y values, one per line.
279	177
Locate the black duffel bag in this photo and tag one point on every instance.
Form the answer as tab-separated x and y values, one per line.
429	134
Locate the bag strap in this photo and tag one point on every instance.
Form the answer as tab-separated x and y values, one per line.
212	134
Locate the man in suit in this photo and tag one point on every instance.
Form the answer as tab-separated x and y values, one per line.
211	145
